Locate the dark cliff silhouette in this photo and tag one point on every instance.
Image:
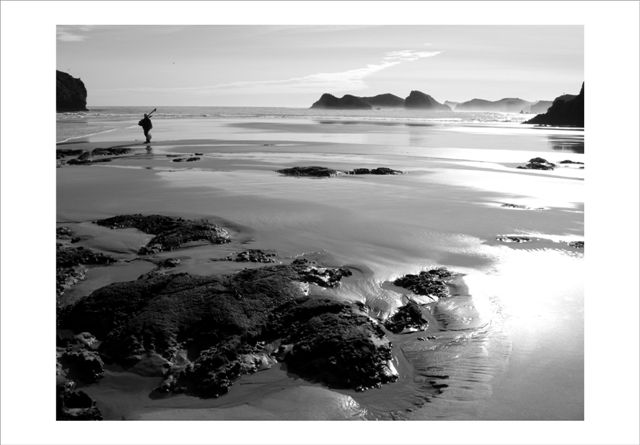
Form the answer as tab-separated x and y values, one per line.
417	99
506	105
71	95
566	110
346	102
384	100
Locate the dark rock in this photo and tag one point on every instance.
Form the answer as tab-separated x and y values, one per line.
375	171
198	154
577	244
192	159
178	160
567	161
431	283
74	256
384	100
72	404
313	171
345	102
64	152
63	232
334	343
71	94
513	239
563	112
224	323
409	318
83	365
111	151
310	272
538	164
169	262
254	256
418	99
170	233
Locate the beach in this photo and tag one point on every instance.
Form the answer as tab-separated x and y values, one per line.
506	345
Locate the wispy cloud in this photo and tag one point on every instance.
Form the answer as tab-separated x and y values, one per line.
68	33
339	81
349	80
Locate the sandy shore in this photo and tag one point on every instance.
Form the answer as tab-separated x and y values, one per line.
446	210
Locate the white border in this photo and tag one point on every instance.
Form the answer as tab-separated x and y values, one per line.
28	215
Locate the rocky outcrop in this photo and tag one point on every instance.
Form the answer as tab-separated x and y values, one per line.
205	332
409	318
565	111
538	164
70	262
513	239
374	171
71	94
170	233
313	171
253	256
418	99
324	172
385	101
345	102
431	283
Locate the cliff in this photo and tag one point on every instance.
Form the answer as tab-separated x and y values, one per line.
345	102
506	105
565	111
71	95
384	100
418	99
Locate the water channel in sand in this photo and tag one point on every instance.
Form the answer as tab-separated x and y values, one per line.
508	346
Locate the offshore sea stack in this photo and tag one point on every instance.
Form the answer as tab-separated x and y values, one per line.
71	94
566	110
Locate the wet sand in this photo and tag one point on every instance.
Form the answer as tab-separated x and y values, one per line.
510	347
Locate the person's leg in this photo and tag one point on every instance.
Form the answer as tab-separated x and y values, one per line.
147	135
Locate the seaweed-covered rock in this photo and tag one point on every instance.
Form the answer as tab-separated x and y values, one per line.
577	244
170	233
111	151
431	283
73	256
70	262
409	318
253	256
334	343
64	152
568	161
83	365
513	239
313	171
538	164
309	271
72	404
374	171
223	324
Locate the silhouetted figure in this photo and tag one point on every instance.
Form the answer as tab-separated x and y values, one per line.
146	125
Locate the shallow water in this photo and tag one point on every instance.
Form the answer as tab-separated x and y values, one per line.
509	348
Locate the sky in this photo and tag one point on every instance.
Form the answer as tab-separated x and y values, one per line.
291	66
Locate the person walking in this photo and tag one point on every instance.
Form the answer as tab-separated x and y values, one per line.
146	125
